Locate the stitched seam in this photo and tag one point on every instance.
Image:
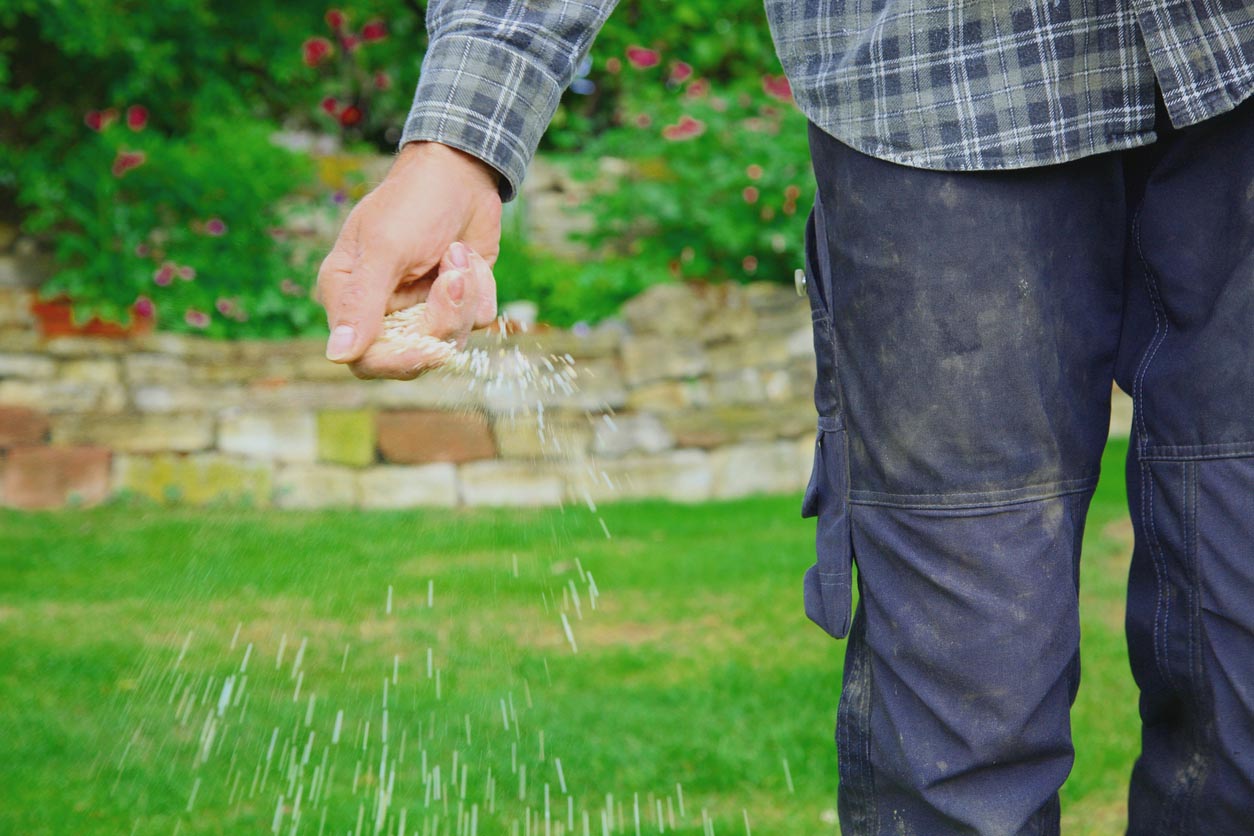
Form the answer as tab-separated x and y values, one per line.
1198	452
1147	510
992	499
1160	329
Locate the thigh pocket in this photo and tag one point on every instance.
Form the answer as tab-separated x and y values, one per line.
828	592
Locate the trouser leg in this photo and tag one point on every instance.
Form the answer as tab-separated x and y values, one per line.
1187	358
966	326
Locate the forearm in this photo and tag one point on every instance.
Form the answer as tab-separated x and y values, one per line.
494	73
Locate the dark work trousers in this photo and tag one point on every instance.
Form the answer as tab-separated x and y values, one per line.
968	328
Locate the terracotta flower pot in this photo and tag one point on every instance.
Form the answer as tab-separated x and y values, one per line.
56	319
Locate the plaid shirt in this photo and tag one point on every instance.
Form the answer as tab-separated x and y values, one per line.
959	85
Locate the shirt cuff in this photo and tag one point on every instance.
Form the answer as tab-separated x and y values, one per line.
485	98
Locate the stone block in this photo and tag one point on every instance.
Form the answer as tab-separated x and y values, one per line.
743	387
650	358
800	343
52	477
677	475
50	395
398	486
510	483
722	425
431	391
746	469
28	366
346	436
137	433
669	309
669	396
196	479
103	372
279	436
316	486
420	436
597	385
147	368
525	437
287	395
622	434
14	307
86	347
176	397
732	357
20	425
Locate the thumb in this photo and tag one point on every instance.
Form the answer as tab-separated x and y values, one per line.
356	301
449	314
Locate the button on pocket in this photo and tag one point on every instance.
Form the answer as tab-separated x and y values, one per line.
828	583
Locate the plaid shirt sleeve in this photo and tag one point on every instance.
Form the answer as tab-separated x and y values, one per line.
494	73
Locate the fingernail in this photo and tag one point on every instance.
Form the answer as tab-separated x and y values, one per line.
457	255
456	287
340	345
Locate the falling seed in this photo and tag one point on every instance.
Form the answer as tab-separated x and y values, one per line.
748	830
278	659
339	726
788	777
605	528
431	593
389	606
561	777
570	637
344	661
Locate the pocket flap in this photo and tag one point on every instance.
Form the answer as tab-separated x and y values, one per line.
828	583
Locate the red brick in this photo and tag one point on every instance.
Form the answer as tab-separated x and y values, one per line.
50	477
416	437
20	425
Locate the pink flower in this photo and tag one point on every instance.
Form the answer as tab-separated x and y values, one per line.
754	172
375	30
750	194
777	87
196	319
215	227
686	128
136	117
141	250
697	89
164	275
144	308
187	273
350	42
98	120
382	81
126	161
643	120
350	116
680	72
225	306
613	66
291	288
750	264
642	58
314	51
331	105
335	19
792	193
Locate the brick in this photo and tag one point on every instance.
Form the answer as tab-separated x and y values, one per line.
729	424
21	425
562	437
279	436
510	483
346	436
623	434
137	433
417	437
316	486
146	368
652	358
182	397
53	477
26	365
50	395
104	372
196	479
399	486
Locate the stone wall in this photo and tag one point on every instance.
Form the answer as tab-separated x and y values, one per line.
696	393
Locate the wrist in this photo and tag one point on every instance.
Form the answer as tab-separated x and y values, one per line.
425	152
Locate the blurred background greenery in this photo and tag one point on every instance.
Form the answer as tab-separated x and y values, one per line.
189	159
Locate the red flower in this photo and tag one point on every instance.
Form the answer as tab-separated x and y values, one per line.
750	264
196	319
127	160
680	72
187	273
750	194
136	117
792	192
686	128
643	120
291	288
643	59
225	306
335	19
331	105
613	66
98	120
350	116
144	308
754	172
382	81
215	227
375	30
777	87
315	50
350	42
698	89
164	275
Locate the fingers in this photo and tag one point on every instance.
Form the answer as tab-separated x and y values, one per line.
484	291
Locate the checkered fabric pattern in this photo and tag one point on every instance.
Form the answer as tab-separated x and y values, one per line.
956	84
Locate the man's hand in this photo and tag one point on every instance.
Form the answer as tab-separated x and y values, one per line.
395	245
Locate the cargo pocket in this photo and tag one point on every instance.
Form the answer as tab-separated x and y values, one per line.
828	587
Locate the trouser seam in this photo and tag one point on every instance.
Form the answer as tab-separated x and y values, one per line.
960	502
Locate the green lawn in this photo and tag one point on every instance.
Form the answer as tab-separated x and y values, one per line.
696	667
